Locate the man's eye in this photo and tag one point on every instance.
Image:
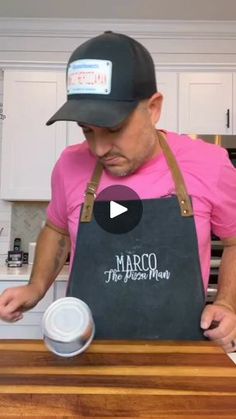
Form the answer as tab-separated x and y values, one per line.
115	129
86	130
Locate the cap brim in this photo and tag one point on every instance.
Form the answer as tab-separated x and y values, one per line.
101	113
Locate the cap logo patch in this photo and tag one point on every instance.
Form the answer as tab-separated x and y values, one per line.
89	77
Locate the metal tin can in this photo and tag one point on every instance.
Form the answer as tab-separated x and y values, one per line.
68	327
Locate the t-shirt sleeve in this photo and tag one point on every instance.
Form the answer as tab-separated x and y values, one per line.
57	209
224	211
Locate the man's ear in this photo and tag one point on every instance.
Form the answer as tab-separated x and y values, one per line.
154	107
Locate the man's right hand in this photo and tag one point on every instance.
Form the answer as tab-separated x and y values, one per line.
53	245
15	301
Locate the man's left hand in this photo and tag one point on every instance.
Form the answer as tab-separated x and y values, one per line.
224	331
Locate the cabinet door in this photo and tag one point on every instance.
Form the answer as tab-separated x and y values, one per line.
29	147
75	134
205	103
60	289
167	83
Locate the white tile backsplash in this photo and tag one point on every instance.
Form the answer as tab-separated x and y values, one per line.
27	220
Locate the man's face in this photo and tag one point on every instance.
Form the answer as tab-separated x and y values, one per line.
125	148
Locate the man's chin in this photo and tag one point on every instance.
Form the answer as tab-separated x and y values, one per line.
116	171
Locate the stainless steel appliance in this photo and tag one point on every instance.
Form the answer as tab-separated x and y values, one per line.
216	253
14	259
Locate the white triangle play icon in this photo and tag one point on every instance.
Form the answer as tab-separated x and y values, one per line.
116	209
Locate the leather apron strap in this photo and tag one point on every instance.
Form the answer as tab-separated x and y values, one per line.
180	187
90	194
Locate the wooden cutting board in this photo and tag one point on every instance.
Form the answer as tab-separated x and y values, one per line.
161	380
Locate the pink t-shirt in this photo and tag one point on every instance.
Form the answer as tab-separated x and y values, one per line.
209	176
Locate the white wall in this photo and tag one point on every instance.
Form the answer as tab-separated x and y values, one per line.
49	42
125	9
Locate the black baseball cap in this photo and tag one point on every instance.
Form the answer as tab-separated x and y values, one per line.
107	76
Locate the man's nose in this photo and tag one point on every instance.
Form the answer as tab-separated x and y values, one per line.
101	146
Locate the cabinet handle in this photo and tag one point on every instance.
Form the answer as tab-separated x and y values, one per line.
1	112
228	118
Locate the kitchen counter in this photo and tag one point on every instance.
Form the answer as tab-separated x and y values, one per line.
115	379
24	272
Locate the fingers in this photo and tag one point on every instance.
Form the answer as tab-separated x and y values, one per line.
223	320
14	317
10	307
210	318
226	343
230	347
223	329
16	300
11	312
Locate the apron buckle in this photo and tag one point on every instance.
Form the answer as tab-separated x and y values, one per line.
91	189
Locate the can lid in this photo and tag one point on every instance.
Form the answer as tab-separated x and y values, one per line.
66	319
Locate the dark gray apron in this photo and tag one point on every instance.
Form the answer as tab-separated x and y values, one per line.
144	284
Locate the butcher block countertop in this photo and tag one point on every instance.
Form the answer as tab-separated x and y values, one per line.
118	380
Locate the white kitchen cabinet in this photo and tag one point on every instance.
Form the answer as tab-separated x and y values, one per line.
206	103
75	134
30	326
167	84
60	289
193	103
30	148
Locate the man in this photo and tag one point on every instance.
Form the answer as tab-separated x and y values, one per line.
149	282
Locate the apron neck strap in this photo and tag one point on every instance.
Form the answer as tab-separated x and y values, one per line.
181	191
90	194
180	187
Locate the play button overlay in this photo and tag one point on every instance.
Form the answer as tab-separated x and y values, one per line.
118	209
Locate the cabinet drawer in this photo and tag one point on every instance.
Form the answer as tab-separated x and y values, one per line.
20	332
30	318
